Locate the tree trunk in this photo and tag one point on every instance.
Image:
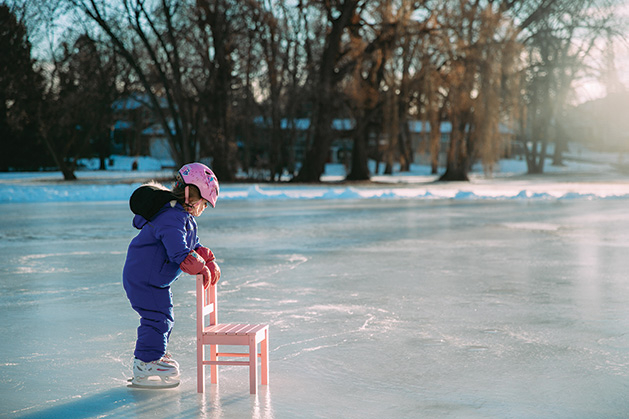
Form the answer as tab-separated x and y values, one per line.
560	147
435	142
321	134
455	174
406	153
360	169
458	161
66	170
316	156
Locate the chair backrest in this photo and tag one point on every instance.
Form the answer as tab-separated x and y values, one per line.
206	305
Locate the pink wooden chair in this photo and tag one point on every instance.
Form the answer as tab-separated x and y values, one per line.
214	334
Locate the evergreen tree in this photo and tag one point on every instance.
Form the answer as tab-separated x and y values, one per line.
20	97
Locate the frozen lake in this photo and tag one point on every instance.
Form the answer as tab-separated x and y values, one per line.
378	309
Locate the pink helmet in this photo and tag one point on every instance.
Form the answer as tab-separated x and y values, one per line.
202	177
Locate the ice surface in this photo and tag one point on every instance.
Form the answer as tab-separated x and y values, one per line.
513	305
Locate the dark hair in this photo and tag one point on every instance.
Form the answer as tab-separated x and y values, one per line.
179	191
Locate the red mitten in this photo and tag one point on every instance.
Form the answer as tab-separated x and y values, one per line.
206	277
205	253
192	264
215	271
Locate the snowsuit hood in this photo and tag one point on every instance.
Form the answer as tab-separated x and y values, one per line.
147	201
139	221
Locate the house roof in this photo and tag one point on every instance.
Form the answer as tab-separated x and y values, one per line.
157	129
303	124
135	101
122	125
418	126
347	124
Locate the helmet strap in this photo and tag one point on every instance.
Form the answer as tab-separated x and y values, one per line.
186	193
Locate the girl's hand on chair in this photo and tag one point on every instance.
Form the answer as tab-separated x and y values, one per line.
194	264
215	271
205	253
206	277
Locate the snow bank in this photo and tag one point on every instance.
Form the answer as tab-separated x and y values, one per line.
12	193
418	184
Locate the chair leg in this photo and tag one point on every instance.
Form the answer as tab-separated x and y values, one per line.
200	368
264	355
214	368
253	365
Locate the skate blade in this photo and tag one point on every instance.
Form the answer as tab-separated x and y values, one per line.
156	384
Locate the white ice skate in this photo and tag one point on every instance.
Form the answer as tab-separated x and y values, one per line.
169	359
156	374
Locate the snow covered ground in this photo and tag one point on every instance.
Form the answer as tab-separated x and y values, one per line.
501	297
592	176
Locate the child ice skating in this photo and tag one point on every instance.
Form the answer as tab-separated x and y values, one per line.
166	246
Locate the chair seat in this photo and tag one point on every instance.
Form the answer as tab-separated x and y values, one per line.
234	329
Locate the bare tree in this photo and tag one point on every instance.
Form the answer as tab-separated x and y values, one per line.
364	88
268	63
187	87
76	114
476	43
556	45
339	14
218	22
412	82
432	108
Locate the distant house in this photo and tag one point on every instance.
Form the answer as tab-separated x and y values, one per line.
135	131
158	145
420	131
340	148
342	143
420	140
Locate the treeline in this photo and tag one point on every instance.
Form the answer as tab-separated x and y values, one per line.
211	70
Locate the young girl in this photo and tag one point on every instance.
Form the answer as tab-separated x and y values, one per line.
166	245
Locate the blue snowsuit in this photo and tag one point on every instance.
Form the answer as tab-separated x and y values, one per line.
152	265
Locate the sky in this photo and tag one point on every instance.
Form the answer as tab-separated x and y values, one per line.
591	88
